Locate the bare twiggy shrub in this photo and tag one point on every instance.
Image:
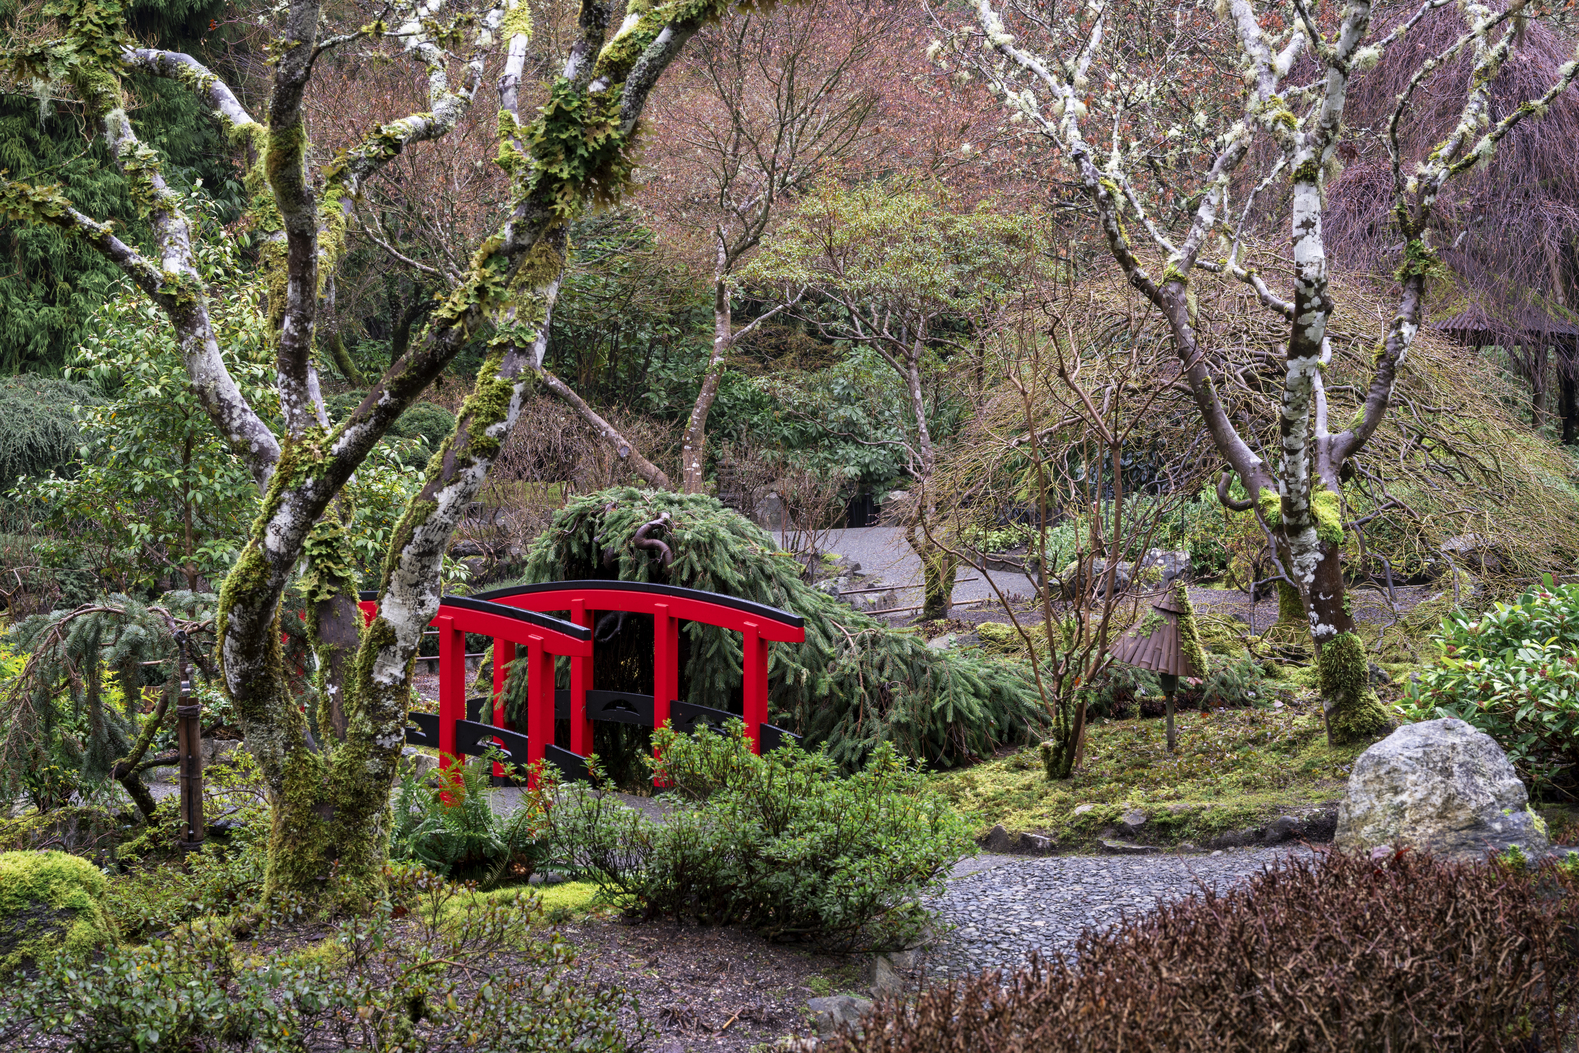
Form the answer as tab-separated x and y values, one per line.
1073	452
1412	954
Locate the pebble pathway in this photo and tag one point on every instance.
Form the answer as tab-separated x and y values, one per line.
997	910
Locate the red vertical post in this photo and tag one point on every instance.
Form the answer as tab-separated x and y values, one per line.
580	684
452	685
540	702
665	664
503	655
755	694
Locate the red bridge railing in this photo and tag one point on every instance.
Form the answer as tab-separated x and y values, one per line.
519	617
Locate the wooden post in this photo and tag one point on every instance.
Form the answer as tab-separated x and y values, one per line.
1170	686
755	674
189	742
539	705
503	655
665	665
580	684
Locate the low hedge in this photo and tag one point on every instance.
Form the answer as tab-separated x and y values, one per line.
1340	953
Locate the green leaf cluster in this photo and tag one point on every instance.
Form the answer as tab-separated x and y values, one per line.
779	842
1512	672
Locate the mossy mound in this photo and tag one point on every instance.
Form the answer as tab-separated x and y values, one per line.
852	684
1233	769
49	906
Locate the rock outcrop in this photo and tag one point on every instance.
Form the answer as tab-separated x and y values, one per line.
1438	786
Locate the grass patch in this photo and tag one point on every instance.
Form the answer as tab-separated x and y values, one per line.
1234	768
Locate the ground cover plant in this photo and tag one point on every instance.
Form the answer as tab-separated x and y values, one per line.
1405	953
433	967
1234	768
779	843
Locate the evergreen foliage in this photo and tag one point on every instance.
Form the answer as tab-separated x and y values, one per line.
57	713
38	425
852	684
53	284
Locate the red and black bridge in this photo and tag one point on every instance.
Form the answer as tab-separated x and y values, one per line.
523	624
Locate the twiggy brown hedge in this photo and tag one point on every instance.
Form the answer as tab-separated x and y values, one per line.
1337	953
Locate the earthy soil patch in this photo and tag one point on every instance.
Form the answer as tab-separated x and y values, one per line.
711	988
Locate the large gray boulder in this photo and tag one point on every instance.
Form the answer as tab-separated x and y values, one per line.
1442	787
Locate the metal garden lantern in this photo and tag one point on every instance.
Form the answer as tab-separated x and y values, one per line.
1156	642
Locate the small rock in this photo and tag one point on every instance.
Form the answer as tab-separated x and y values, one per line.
886	977
1440	786
1378	675
1217	852
1082	809
1283	828
836	1011
941	643
1127	848
829	587
1037	844
998	840
1381	853
1132	822
413	761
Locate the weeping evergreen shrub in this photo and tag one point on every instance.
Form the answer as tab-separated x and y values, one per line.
852	684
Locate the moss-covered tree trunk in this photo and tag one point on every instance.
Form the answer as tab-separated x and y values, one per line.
1349	703
329	785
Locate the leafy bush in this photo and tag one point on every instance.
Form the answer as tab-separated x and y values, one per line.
1331	954
777	842
224	877
389	982
1512	672
1116	690
1233	683
455	831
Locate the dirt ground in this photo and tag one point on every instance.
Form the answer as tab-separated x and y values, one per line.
703	988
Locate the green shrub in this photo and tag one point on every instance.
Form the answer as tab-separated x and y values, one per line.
1333	953
434	969
1230	684
49	908
1512	672
454	831
779	842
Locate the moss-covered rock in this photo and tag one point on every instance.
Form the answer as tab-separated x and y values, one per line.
49	906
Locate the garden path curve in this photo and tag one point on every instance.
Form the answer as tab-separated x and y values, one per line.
996	910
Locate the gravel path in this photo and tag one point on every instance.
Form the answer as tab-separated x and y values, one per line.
884	552
998	909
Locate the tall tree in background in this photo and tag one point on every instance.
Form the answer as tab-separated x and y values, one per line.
329	785
899	273
1063	70
762	106
50	284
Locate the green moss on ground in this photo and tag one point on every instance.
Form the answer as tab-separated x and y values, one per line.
49	907
1234	768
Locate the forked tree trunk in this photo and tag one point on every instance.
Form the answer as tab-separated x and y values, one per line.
693	447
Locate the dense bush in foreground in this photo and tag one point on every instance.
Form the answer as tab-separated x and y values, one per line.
1336	954
1512	672
780	842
